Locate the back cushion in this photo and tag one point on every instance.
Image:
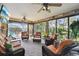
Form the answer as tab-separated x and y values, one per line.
2	48
37	33
65	43
2	38
24	33
2	42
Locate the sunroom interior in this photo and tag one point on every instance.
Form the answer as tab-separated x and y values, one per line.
26	29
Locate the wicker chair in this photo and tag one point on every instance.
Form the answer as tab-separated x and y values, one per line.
37	37
24	35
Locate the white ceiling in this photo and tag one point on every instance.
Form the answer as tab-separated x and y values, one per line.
18	10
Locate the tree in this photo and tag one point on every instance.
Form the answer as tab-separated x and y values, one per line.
75	28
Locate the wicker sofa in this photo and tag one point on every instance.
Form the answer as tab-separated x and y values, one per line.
4	51
47	52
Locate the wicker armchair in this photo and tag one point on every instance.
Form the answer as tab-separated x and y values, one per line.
24	35
37	37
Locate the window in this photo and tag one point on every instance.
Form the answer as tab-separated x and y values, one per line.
40	27
52	26
4	20
62	28
15	28
74	27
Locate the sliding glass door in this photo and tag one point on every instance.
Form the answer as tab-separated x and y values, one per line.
40	27
62	28
52	27
74	27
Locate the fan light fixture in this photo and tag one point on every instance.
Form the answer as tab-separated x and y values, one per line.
45	6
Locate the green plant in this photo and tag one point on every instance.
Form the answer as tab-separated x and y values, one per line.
8	46
75	28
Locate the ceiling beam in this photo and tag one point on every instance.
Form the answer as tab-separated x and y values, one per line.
66	14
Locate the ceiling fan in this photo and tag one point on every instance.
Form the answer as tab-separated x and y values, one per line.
45	6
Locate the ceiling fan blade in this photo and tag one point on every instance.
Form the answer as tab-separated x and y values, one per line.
40	9
55	4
